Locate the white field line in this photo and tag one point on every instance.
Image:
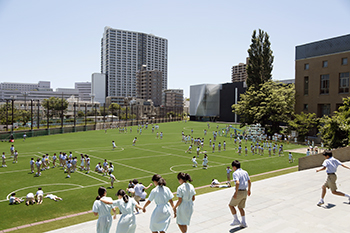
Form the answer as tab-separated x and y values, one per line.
91	177
123	164
143	157
182	156
14	171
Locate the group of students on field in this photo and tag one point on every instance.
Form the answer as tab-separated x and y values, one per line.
161	216
32	199
14	155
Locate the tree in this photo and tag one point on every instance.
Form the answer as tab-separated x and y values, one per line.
335	130
260	60
113	108
270	105
18	115
302	123
55	106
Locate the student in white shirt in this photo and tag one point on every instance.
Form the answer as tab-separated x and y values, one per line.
3	159
330	164
243	186
39	196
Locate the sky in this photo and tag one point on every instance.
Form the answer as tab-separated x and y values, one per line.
60	40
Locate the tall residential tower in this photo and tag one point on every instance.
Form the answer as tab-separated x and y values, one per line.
124	52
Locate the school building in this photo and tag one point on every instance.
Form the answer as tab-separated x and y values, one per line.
322	75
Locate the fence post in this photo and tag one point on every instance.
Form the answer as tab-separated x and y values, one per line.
12	116
95	117
38	115
31	116
48	118
7	115
85	115
75	117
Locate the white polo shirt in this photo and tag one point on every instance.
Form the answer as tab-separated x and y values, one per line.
331	164
242	176
138	189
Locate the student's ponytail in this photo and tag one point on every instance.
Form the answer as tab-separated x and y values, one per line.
184	176
122	193
160	180
101	192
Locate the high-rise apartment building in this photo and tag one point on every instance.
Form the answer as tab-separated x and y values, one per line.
239	72
149	85
124	52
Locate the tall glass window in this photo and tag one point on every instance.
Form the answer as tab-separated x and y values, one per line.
306	85
325	109
344	82
324	87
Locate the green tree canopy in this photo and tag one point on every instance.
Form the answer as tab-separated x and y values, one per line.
260	60
113	108
335	130
55	106
302	123
270	105
18	115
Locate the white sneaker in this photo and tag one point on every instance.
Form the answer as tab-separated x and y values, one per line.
243	225
235	223
322	202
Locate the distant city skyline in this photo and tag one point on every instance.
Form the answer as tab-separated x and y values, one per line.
60	41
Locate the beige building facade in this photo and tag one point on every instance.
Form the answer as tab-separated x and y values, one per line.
149	85
239	72
322	75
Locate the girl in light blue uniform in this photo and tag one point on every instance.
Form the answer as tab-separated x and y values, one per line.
160	219
103	211
186	195
127	221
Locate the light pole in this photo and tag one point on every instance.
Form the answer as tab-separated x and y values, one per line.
25	94
13	100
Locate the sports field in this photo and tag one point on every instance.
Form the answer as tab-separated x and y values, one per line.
149	156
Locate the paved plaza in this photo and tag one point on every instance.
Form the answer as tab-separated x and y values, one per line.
285	204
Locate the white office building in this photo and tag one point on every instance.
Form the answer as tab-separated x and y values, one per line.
98	87
124	52
84	89
40	86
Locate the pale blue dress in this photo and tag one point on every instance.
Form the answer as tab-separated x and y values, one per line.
104	221
127	221
184	211
160	219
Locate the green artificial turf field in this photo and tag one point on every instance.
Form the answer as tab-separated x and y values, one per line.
149	156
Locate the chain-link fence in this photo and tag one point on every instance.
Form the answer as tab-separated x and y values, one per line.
35	118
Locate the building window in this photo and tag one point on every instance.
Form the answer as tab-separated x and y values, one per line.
344	82
324	110
306	85
306	107
325	64
324	87
306	66
344	61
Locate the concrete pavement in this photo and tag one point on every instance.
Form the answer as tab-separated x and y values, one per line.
285	204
